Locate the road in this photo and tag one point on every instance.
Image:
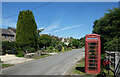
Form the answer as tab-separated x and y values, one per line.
59	64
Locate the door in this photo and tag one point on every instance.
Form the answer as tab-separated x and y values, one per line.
92	55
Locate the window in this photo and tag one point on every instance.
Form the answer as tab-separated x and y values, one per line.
11	37
6	36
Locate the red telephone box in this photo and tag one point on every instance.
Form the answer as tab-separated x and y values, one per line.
92	53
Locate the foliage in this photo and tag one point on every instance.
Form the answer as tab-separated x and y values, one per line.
26	32
75	43
29	49
6	65
20	53
82	42
44	40
50	48
59	47
109	29
8	45
69	45
39	31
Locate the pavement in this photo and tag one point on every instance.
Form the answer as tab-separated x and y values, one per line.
59	64
12	59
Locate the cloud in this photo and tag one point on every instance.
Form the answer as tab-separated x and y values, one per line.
41	28
55	24
67	28
8	23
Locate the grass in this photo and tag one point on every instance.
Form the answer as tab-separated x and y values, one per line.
6	65
80	69
42	56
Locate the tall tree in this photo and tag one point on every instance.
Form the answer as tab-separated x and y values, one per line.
26	33
109	29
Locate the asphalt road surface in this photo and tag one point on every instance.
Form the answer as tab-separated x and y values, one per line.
59	64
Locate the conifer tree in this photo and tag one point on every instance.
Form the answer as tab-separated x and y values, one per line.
26	33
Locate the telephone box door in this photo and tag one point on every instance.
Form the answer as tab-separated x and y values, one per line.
92	56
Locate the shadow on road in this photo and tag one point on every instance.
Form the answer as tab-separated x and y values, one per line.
82	69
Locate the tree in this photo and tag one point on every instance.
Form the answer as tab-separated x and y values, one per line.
75	43
26	33
109	29
82	42
44	40
40	30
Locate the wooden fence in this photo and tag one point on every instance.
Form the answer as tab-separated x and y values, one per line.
114	61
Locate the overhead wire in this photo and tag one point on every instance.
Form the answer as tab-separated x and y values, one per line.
42	5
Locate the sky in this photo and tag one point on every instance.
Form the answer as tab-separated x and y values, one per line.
62	19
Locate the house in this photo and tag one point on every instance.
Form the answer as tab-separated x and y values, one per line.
7	34
65	40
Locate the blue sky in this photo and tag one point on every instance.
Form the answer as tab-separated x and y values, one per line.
63	19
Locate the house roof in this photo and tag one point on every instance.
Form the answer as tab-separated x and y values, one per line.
5	31
13	29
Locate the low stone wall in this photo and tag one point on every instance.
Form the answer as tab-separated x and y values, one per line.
33	55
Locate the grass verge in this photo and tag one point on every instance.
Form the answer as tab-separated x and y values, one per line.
79	69
6	65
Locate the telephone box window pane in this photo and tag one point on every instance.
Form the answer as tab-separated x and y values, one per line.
92	57
92	68
92	64
91	47
92	61
92	54
91	50
92	43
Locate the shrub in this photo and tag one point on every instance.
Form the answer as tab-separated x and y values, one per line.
27	48
50	51
49	48
59	47
20	53
43	50
32	49
69	48
8	47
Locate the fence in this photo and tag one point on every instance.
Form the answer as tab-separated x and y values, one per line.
115	61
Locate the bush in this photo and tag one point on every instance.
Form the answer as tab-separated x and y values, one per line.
20	53
8	47
27	48
43	50
49	48
50	51
69	48
32	49
59	47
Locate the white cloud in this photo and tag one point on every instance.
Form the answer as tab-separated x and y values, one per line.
8	23
67	28
41	28
55	24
